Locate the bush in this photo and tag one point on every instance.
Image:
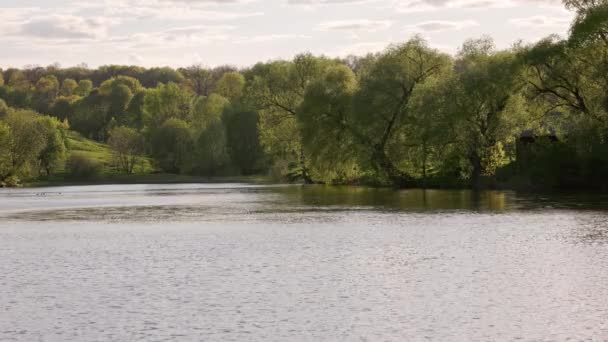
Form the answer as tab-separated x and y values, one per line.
10	182
82	167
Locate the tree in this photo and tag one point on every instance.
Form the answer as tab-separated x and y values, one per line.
231	86
119	98
488	104
207	110
25	143
381	105
135	110
18	81
63	109
325	118
211	151
5	152
164	102
127	145
90	116
198	80
84	88
68	87
47	90
243	139
110	85
55	150
3	109
277	90
1	79
172	146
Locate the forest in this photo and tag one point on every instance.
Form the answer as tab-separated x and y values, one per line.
530	116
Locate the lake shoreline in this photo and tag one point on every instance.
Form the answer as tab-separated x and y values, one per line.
158	179
146	179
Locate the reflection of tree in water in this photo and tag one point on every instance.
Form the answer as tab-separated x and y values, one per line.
391	199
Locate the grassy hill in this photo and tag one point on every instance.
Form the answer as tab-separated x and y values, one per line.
102	154
145	173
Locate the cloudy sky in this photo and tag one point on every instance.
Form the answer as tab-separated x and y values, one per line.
242	32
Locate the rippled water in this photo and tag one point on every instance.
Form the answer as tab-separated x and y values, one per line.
289	263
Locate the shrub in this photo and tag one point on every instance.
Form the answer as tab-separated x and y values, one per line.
82	167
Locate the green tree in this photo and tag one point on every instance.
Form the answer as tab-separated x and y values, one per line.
25	143
164	102
211	150
5	152
277	89
128	146
173	145
3	109
231	86
84	88
68	87
55	138
325	118
382	103
47	90
108	86
488	104
119	98
243	140
198	80
207	110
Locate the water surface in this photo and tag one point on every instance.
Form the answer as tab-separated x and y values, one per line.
243	262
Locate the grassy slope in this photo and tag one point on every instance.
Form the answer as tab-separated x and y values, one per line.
102	154
144	173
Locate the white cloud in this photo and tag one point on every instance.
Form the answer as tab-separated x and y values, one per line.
65	27
541	21
362	25
441	26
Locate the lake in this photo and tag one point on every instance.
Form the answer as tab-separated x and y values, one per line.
238	262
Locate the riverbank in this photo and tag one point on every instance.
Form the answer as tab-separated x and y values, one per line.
153	178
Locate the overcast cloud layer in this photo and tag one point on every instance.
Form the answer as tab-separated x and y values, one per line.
242	32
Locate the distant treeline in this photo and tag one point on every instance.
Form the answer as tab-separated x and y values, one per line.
409	116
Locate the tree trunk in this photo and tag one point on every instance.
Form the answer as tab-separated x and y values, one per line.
383	165
304	170
475	161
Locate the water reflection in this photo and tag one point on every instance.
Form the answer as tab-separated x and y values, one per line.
291	263
439	200
245	202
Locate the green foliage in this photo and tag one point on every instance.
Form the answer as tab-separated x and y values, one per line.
5	152
54	152
68	87
107	87
325	116
3	109
164	102
242	139
80	167
207	110
489	109
211	150
84	88
172	144
231	86
128	146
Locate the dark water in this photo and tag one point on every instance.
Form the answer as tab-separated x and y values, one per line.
290	263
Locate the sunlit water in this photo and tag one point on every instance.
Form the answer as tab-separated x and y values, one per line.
291	263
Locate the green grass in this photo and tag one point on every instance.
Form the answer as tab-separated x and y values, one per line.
145	173
102	154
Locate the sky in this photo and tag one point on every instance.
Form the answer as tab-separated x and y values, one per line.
242	32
